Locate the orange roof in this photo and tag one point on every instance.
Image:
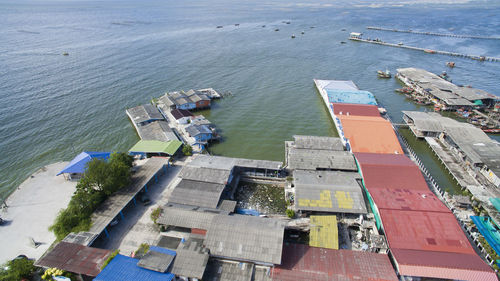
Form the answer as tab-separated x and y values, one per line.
370	134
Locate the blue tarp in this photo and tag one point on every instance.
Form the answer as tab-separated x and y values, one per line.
247	212
123	268
489	230
350	96
79	163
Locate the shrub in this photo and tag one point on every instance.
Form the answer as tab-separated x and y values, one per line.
155	214
290	213
17	269
187	150
142	250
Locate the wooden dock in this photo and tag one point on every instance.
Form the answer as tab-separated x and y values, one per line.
433	33
474	57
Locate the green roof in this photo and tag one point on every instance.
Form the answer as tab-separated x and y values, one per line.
496	203
154	146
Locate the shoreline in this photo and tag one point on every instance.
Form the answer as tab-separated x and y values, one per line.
31	209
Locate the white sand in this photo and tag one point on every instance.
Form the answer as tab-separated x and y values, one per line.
31	209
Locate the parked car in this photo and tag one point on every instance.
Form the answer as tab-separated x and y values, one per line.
145	200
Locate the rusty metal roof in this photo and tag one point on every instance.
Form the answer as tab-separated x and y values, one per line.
355	109
407	200
301	262
75	258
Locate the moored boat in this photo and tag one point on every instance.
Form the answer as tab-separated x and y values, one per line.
384	74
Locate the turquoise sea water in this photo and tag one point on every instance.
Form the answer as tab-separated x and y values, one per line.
123	53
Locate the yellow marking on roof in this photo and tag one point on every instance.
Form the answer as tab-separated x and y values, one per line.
325	201
324	232
344	199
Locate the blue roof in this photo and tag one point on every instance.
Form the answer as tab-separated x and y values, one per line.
123	268
489	230
162	250
351	96
79	163
250	212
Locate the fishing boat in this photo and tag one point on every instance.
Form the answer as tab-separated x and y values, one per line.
384	74
343	42
450	64
293	36
445	76
220	26
277	29
65	54
491	131
404	90
429	51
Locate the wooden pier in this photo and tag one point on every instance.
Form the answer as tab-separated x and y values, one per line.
478	58
434	33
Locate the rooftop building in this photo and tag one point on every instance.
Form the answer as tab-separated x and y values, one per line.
197	193
158	130
143	114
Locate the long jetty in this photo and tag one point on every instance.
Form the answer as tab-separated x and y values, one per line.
433	33
479	58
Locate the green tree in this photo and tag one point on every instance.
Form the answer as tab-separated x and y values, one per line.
187	150
17	269
122	157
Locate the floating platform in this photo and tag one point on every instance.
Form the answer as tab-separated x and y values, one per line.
433	33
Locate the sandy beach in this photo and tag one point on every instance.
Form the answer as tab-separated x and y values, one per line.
31	209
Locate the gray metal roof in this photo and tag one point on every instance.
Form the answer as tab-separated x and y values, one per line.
196	193
205	174
329	191
166	100
246	238
110	208
431	121
156	261
194	130
143	113
227	163
227	205
315	142
474	143
218	270
187	216
191	259
311	159
444	90
158	130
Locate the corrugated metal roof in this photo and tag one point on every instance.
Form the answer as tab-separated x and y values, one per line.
355	109
407	199
426	231
301	262
75	258
393	177
188	218
443	265
317	142
350	96
330	191
205	174
324	232
196	193
155	146
158	130
246	238
336	84
123	268
218	270
180	113
156	261
370	134
311	159
383	159
228	163
191	259
146	112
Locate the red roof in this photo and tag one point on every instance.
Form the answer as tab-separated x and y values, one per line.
75	258
443	265
301	262
355	109
406	199
426	231
383	159
393	177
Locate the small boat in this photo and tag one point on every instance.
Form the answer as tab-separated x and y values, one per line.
445	76
293	36
287	22
382	110
384	74
302	32
343	29
277	29
343	42
236	24
429	51
450	64
220	26
491	131
65	54
400	44
312	27
264	25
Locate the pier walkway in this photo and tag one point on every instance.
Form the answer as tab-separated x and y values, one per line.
479	58
433	33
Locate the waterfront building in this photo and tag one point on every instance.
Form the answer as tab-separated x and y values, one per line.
200	99
181	116
76	167
143	114
157	130
149	148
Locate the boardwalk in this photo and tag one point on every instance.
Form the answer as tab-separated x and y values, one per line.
434	33
479	58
